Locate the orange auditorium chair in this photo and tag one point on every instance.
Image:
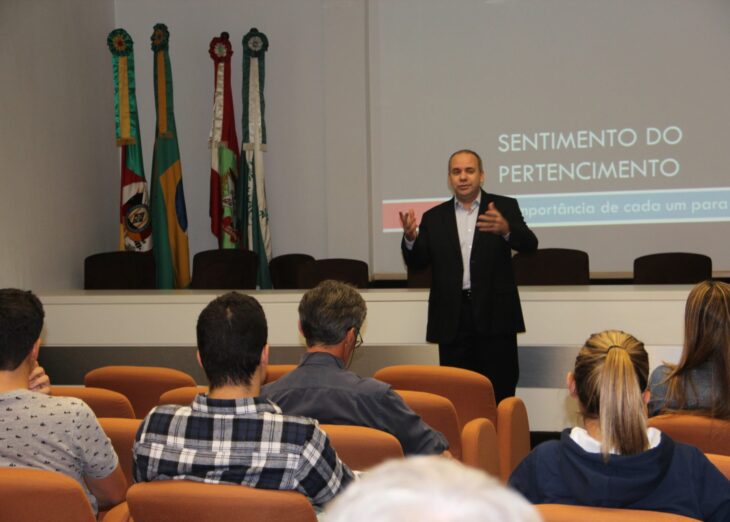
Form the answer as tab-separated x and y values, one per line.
275	371
513	435
362	448
142	385
479	447
30	495
182	396
103	402
187	501
708	434
122	432
439	413
565	513
461	387
471	393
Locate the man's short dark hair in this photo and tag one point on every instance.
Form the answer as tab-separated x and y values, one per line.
466	151
328	311
21	322
232	334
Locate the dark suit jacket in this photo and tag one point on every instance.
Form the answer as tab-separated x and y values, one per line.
495	299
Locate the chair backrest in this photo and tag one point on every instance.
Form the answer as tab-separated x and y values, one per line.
672	268
419	278
104	403
142	385
275	371
439	413
513	435
227	268
119	513
721	462
182	396
122	432
479	447
352	271
708	434
120	270
471	393
29	495
285	270
362	448
186	501
564	513
551	266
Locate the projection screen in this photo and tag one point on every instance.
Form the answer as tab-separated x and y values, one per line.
607	119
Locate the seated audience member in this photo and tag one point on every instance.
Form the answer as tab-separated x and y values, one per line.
230	435
51	433
321	387
701	380
616	461
429	489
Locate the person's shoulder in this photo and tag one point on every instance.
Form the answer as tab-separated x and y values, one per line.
546	449
685	454
659	374
544	458
370	386
445	206
296	429
270	389
166	410
55	402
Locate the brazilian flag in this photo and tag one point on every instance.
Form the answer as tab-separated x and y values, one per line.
169	217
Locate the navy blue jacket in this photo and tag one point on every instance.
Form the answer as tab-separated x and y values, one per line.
673	477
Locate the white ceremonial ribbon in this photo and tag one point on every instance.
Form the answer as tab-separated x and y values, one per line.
255	158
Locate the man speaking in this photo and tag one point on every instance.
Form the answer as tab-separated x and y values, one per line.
474	309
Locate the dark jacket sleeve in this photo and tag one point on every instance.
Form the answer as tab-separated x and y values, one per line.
415	436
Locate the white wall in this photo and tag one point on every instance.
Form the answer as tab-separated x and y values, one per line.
58	163
60	167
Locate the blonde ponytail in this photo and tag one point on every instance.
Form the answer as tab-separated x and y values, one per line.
611	372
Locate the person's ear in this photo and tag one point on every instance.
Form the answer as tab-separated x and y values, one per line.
264	361
35	350
646	396
570	382
197	356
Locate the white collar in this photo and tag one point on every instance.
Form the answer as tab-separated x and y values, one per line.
590	445
475	204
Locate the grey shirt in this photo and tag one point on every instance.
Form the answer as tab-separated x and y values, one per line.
56	434
698	392
323	389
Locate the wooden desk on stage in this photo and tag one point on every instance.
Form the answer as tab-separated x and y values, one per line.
86	329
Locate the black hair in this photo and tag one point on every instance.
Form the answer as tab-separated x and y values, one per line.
232	333
21	322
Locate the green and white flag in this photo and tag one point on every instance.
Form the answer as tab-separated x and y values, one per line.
251	193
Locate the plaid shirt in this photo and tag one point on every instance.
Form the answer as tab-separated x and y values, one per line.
243	441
